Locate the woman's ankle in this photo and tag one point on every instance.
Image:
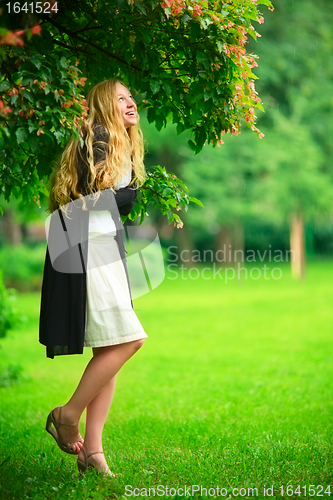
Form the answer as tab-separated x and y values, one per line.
91	446
69	415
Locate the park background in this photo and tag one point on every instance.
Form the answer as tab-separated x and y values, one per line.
234	385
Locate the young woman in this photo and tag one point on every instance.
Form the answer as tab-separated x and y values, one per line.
85	295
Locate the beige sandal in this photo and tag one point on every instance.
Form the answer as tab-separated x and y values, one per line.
55	432
84	466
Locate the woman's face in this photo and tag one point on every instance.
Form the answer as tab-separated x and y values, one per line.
126	105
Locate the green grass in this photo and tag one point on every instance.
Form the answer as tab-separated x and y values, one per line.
233	388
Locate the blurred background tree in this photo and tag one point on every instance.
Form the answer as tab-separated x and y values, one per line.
283	184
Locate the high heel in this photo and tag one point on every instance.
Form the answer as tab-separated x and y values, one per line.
51	421
83	466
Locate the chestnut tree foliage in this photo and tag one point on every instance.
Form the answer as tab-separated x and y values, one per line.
185	61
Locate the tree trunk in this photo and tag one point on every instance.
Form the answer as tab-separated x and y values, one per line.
297	247
185	244
12	231
230	244
238	243
223	245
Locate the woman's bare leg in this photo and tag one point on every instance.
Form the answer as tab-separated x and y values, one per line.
100	370
97	412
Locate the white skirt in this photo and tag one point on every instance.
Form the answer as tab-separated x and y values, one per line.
110	318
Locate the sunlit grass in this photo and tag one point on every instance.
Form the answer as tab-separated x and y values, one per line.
233	388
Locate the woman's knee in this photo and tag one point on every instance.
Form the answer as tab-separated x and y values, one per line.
138	343
133	346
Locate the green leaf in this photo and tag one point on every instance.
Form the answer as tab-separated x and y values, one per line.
59	135
4	86
166	191
170	216
141	8
64	62
219	45
185	18
192	145
265	2
155	86
37	60
195	200
21	135
167	87
27	95
179	128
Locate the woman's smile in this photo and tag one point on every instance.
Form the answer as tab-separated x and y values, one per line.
126	105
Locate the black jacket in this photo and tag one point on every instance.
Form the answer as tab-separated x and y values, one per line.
63	300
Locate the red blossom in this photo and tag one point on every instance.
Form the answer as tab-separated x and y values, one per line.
4	110
197	12
11	38
36	30
175	6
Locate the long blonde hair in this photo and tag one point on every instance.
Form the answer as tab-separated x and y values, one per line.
122	146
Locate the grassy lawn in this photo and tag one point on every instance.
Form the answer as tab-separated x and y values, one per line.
232	389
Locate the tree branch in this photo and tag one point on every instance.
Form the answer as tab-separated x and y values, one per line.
92	44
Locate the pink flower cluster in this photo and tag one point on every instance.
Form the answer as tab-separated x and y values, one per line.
179	224
4	110
175	6
14	37
252	62
11	38
197	12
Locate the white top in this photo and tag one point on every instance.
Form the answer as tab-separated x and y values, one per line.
101	221
125	179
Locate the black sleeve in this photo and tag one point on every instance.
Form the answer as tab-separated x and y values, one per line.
125	199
